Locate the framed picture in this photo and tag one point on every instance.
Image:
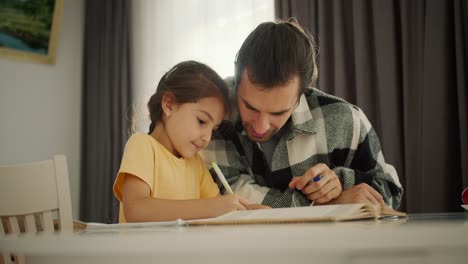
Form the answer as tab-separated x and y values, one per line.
29	29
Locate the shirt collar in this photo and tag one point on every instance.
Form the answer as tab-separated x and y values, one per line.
301	118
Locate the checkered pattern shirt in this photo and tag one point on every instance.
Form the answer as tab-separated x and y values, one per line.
322	129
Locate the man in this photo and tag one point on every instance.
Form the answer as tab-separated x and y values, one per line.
290	145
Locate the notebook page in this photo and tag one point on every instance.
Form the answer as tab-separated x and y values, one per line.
276	215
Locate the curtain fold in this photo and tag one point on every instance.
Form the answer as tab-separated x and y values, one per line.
460	8
106	105
405	64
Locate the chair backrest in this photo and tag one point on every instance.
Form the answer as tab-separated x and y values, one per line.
34	196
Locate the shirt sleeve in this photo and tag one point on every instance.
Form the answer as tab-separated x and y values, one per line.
139	160
243	181
368	166
208	187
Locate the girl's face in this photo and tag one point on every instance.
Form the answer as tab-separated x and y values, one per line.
189	126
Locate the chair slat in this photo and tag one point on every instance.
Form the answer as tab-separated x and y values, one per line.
6	257
48	222
20	259
30	224
12	222
2	229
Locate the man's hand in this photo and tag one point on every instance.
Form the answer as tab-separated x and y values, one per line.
321	191
361	193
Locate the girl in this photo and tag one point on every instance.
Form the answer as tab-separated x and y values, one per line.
161	176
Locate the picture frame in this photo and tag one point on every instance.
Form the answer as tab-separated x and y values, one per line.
29	29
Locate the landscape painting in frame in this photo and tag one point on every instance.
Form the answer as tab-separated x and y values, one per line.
29	29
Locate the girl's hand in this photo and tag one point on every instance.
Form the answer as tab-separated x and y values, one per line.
257	206
321	191
227	203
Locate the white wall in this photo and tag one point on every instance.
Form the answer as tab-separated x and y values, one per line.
40	105
166	32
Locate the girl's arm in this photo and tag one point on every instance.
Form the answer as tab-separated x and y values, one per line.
139	206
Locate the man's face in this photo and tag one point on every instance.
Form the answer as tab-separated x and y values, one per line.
265	111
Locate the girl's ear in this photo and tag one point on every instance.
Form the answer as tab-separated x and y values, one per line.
168	103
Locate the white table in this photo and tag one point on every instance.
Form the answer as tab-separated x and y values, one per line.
422	239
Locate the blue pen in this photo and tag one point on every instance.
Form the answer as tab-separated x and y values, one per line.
316	179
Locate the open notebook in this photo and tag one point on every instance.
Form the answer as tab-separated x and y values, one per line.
323	213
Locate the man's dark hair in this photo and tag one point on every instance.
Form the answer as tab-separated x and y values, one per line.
274	52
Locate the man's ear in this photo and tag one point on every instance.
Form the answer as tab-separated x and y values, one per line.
168	103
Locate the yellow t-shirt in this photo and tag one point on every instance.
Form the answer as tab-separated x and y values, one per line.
167	176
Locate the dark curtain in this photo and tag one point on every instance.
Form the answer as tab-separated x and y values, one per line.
405	64
106	103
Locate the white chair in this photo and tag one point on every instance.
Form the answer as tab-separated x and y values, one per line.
33	197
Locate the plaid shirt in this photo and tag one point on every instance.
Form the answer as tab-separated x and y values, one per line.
322	129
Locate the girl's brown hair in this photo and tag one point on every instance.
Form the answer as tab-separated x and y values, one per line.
188	82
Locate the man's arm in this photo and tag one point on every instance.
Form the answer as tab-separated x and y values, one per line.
383	178
243	181
368	166
364	174
245	185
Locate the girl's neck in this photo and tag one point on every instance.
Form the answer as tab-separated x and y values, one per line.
160	134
